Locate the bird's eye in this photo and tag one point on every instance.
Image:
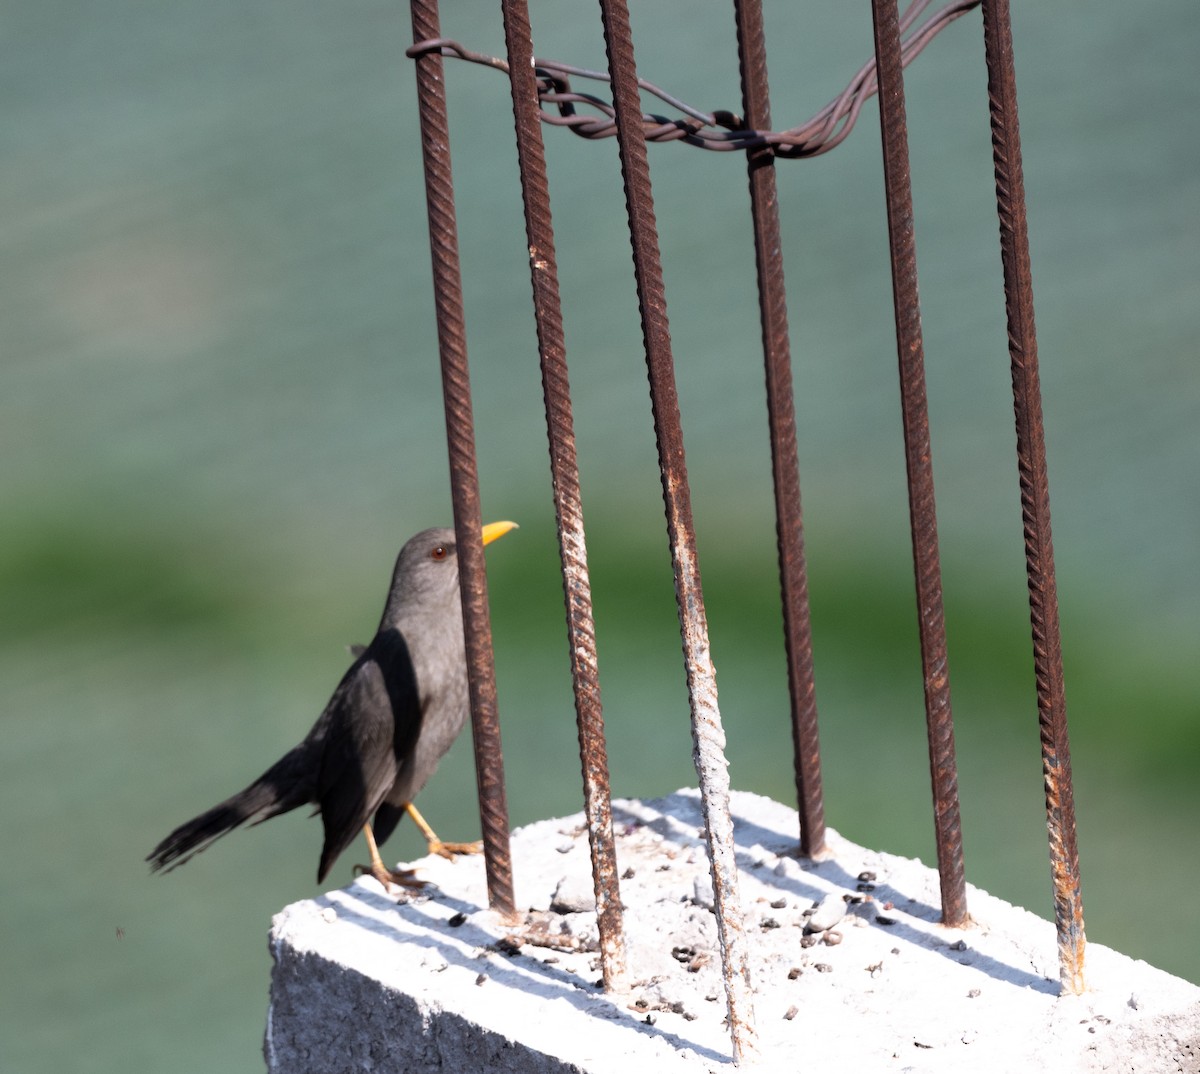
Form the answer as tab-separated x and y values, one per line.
438	553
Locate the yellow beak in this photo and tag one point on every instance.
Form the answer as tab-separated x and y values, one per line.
494	530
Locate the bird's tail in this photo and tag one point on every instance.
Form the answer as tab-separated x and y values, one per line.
280	789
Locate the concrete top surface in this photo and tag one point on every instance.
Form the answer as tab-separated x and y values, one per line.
375	980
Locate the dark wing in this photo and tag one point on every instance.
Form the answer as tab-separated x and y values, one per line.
374	721
387	816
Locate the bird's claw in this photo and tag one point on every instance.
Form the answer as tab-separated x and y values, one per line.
406	878
450	851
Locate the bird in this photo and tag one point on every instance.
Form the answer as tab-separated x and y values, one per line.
393	716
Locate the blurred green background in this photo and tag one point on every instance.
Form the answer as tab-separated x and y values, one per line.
221	416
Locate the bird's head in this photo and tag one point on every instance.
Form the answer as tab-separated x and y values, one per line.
426	575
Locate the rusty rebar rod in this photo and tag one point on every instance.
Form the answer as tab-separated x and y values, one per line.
781	417
464	479
918	458
708	737
568	506
1035	493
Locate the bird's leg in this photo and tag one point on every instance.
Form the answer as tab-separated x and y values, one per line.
403	877
436	846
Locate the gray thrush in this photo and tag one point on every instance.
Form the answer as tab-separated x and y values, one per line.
391	719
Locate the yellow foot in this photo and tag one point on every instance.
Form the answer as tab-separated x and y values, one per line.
405	878
450	851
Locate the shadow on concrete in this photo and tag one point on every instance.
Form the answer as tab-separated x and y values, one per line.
502	967
682	821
